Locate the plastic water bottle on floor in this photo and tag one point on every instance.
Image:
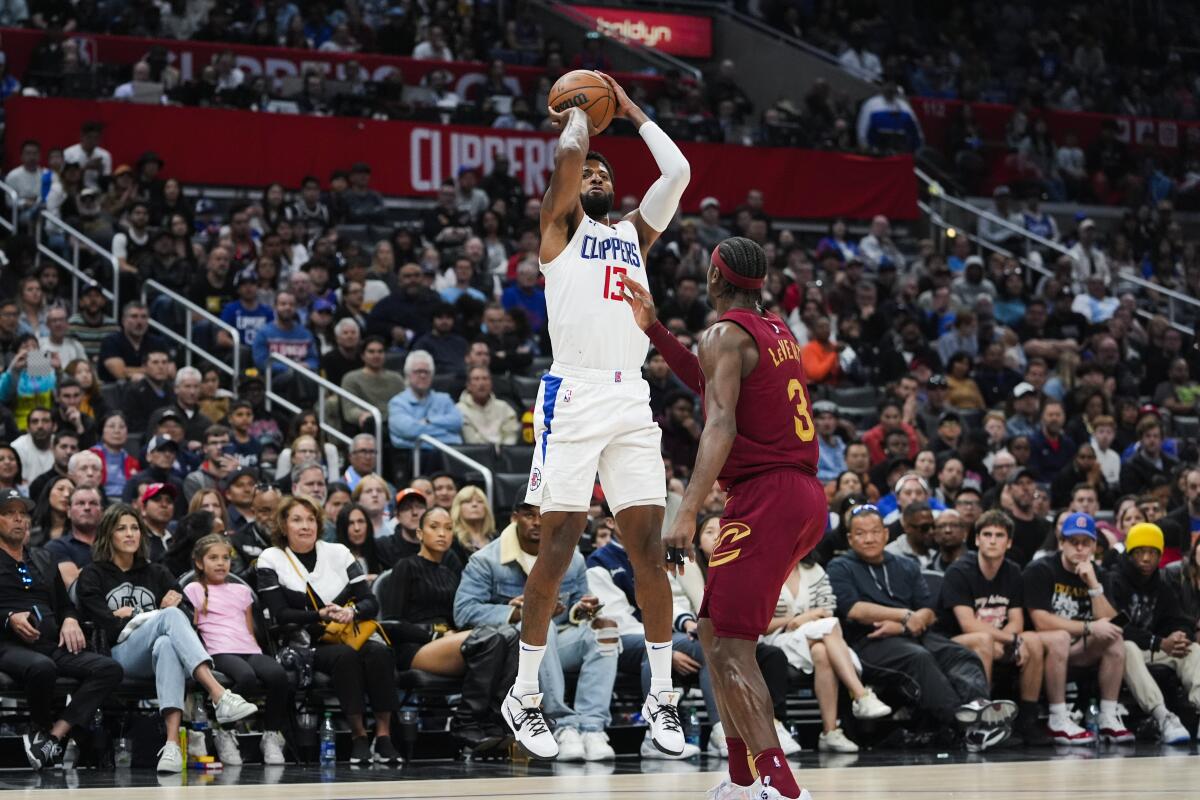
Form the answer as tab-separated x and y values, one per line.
328	741
1092	720
691	728
123	753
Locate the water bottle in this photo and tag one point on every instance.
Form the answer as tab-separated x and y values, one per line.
199	717
1091	720
123	756
328	741
691	728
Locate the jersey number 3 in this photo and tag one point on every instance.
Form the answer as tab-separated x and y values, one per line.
803	419
614	287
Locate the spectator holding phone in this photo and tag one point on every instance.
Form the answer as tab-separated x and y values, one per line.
220	459
29	381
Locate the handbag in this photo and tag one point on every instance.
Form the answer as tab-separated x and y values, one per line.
353	634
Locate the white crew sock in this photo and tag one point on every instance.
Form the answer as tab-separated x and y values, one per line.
659	655
1108	710
529	660
1059	715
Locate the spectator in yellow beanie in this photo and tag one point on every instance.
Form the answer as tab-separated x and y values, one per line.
1157	631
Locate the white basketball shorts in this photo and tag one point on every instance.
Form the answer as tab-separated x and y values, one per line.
590	421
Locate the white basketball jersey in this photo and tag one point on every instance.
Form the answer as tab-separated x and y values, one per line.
591	325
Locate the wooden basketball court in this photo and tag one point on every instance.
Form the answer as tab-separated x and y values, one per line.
1075	775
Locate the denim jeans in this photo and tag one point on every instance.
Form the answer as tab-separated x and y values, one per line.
574	649
634	661
166	649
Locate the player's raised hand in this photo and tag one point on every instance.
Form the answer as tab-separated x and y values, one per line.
641	301
559	119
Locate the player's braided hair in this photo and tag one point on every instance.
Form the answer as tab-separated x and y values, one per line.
746	258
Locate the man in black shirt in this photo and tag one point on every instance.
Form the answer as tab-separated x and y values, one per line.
122	354
887	617
982	594
72	551
42	639
1029	530
1064	593
66	444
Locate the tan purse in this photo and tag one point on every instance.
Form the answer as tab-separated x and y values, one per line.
352	634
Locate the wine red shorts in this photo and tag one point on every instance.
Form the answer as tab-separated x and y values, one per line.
771	521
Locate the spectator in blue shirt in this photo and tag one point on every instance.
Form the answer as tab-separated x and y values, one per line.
527	295
287	337
419	410
246	313
832	461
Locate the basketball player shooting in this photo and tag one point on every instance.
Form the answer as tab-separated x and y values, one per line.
593	411
760	443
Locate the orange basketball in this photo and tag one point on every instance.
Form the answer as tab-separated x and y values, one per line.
587	90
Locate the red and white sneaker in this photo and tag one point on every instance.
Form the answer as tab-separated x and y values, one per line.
1113	730
1070	734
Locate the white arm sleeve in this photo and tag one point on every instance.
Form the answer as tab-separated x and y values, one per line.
662	199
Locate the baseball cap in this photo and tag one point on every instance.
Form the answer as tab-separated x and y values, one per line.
322	304
168	413
1149	408
90	287
152	489
973	261
709	201
241	472
825	407
1001	191
937	382
161	442
1022	389
249	377
1080	524
1144	534
1021	472
9	495
247	275
405	495
1088	222
949	416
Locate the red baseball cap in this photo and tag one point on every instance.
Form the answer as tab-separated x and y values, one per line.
151	489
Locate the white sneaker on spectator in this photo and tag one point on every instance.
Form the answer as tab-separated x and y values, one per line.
717	746
836	741
869	706
1171	730
728	790
227	748
1112	729
232	707
986	712
170	758
1068	733
760	792
525	719
596	746
649	751
272	748
570	744
787	744
662	712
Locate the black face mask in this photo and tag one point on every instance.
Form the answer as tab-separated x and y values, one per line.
597	207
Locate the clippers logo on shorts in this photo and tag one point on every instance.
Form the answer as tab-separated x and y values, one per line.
732	532
535	479
617	377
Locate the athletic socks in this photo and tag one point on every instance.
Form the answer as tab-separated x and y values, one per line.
659	656
529	660
1059	716
773	771
739	762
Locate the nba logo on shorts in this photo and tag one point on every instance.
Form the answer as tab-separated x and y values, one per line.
568	394
535	479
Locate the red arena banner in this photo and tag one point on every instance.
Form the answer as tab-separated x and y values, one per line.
219	147
677	34
191	57
938	117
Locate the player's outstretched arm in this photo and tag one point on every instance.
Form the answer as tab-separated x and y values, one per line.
562	210
659	205
681	360
721	358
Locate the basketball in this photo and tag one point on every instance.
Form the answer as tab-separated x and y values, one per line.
587	90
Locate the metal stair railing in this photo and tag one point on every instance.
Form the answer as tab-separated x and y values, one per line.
77	240
14	206
937	217
488	476
192	310
324	386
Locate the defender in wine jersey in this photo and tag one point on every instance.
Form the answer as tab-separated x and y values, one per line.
593	415
760	443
